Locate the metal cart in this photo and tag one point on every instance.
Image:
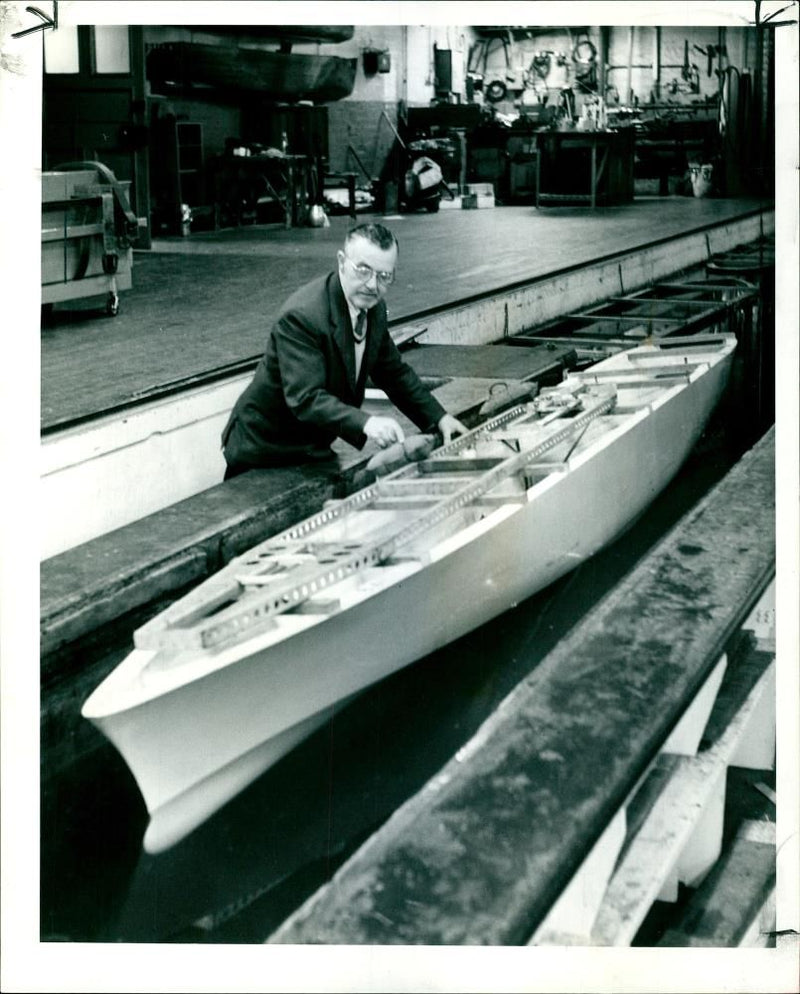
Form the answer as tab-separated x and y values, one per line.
87	231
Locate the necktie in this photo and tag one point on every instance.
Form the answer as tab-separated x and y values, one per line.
360	330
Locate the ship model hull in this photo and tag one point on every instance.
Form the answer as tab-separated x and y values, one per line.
232	677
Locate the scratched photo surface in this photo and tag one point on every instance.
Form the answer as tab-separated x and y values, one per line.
420	837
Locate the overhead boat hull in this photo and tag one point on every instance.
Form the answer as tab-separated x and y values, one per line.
196	726
278	75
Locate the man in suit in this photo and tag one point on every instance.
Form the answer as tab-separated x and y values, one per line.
309	386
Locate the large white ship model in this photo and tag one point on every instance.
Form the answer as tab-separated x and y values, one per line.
231	677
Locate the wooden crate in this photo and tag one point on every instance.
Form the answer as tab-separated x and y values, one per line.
478	196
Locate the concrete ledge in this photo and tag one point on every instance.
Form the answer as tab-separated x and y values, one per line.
479	856
97	582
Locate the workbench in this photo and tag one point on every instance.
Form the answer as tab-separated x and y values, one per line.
577	167
240	182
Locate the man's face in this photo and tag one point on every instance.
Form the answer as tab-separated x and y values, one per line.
366	271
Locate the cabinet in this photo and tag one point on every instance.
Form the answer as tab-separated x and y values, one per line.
505	157
522	159
189	163
178	172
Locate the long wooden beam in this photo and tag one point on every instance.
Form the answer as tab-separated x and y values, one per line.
480	855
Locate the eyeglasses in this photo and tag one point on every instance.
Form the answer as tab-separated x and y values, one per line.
365	273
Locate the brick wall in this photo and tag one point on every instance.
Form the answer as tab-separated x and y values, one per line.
360	124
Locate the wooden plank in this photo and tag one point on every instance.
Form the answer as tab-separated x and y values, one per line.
685	738
735	907
656	373
409	486
456	464
500	500
71	231
480	855
611	343
655	307
681	837
650	382
411	502
407	333
498	361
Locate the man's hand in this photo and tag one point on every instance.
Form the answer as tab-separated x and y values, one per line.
384	431
450	426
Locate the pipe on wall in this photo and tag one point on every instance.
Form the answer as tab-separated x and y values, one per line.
403	95
603	67
629	87
657	64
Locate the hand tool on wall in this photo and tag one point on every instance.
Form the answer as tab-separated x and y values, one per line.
711	52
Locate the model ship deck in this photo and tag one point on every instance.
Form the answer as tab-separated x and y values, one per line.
398	523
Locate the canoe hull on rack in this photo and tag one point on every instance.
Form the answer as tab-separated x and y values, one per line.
191	66
197	728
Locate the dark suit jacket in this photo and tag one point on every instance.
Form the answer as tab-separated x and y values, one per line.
304	392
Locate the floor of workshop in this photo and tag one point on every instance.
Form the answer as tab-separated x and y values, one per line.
207	300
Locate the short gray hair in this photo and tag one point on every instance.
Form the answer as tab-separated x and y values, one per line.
378	234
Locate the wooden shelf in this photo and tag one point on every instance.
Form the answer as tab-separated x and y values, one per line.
179	174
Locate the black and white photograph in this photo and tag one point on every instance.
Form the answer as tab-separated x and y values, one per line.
400	541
